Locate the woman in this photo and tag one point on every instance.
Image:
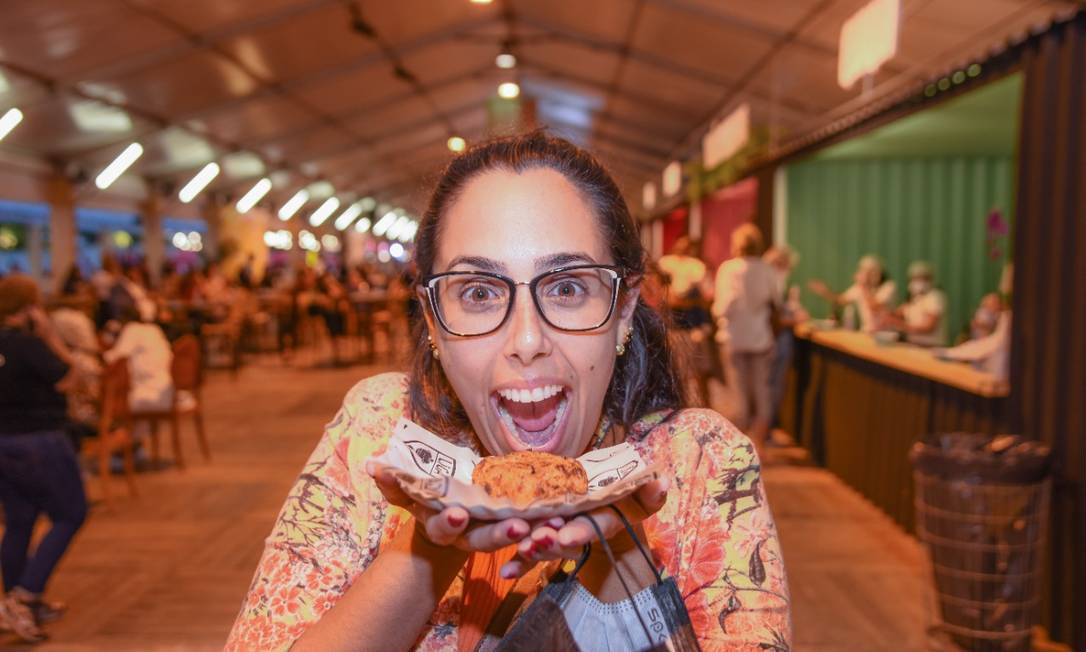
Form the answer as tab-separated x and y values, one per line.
352	563
39	472
746	295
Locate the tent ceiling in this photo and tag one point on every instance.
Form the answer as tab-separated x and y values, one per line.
293	85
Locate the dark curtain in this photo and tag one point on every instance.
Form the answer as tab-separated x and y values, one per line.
1049	341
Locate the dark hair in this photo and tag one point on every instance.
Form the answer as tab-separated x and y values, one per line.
647	377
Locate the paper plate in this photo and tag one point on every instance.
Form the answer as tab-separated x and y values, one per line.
437	474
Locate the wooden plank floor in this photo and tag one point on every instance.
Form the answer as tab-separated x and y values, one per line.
167	571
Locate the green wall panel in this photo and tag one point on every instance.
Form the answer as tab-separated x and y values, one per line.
903	210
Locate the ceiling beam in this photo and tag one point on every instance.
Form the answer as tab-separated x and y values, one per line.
669	66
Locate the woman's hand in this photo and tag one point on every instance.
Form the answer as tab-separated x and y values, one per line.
560	539
451	526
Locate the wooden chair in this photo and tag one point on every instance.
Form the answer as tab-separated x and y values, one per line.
114	429
187	373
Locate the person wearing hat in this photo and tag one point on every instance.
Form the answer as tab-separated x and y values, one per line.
870	296
922	318
39	472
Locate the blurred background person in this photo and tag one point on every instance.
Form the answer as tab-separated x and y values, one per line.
790	312
39	472
922	318
688	291
149	357
986	317
871	295
746	292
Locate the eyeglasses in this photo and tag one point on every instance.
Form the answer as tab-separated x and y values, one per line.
575	298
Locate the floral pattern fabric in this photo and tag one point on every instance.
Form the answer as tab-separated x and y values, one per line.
715	535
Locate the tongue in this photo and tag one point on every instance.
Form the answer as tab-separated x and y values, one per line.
535	416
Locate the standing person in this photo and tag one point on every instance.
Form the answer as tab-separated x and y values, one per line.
533	337
689	290
871	294
922	318
39	472
782	259
746	295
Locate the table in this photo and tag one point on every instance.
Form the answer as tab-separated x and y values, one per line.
859	406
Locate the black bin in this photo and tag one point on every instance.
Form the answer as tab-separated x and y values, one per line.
982	510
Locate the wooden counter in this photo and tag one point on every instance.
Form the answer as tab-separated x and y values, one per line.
858	407
910	359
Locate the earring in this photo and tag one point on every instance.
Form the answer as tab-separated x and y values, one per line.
433	347
620	348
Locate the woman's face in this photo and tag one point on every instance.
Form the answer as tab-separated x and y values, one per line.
527	385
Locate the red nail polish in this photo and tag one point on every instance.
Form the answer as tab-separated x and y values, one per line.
512	532
546	542
455	520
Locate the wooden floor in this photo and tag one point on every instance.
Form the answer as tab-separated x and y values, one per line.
168	570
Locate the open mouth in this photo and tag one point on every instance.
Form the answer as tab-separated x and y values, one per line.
534	419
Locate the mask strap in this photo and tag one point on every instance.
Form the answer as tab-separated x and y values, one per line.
637	542
614	565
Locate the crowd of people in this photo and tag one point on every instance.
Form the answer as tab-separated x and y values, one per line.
738	324
53	354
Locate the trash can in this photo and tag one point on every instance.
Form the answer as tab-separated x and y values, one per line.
982	510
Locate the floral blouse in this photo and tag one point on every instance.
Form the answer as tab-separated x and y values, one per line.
715	534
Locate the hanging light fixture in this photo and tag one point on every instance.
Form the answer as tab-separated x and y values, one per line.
508	90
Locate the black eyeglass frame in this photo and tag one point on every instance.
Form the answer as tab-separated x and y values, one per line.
429	283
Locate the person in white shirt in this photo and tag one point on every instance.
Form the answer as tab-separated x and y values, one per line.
923	317
149	357
745	296
870	296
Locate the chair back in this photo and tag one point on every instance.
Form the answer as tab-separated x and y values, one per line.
114	410
187	366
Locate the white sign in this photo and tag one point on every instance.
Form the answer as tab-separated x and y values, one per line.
726	138
673	178
868	40
648	196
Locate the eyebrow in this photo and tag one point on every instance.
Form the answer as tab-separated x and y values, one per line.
542	263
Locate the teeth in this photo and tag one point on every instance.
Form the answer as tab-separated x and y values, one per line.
530	395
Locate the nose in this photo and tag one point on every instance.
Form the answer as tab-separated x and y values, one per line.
527	337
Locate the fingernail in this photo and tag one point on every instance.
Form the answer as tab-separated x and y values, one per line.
546	542
507	573
455	520
513	532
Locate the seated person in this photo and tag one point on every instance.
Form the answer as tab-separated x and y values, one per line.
922	318
149	358
989	353
871	294
986	317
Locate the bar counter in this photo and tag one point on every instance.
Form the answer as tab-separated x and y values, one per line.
858	406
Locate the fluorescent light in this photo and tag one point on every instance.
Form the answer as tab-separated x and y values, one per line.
255	194
456	144
508	90
308	241
506	60
397	226
383	223
330	243
396	250
324	211
293	204
345	219
198	182
115	169
367	204
408	232
480	2
362	225
10	120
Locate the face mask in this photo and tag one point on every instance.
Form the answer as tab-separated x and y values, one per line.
918	286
